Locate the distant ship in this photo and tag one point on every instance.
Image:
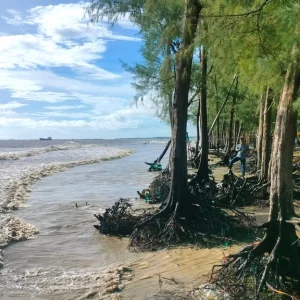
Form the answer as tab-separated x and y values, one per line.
46	139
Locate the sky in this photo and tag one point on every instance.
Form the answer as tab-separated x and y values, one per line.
62	77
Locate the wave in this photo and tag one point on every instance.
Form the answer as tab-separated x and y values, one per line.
32	152
14	193
58	283
159	141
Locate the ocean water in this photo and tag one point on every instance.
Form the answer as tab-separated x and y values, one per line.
50	248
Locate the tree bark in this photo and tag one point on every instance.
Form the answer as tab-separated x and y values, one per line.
198	129
230	129
203	166
281	191
178	187
266	136
260	129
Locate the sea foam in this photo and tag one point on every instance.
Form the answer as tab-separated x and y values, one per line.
17	177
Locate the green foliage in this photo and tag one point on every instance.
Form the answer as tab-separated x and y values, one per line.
252	38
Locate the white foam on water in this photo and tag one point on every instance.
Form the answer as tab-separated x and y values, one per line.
53	283
17	177
159	141
19	154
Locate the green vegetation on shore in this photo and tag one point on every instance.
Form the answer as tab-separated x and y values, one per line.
230	67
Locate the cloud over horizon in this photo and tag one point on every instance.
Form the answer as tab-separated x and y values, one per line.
59	72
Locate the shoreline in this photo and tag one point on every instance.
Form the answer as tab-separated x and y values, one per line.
17	191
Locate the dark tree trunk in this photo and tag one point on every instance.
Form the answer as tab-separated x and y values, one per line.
178	187
230	129
266	136
198	129
203	166
260	129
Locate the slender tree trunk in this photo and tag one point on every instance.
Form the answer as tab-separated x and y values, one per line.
239	132
230	129
223	134
170	89
260	129
222	106
218	127
236	132
198	128
178	187
203	166
266	136
281	192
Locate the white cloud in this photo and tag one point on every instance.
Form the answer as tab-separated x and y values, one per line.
7	109
58	37
62	38
59	114
106	122
48	87
65	107
11	105
51	97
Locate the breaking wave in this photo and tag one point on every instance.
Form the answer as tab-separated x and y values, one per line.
54	283
19	154
16	180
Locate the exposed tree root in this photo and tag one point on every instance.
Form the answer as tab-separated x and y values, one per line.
203	224
263	270
238	192
158	190
120	219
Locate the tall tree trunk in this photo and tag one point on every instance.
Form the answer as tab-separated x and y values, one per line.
218	127
281	192
236	132
178	187
222	106
260	128
230	129
223	134
239	132
198	128
203	166
266	136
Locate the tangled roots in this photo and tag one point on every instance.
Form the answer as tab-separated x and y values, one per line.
251	274
119	219
158	190
204	225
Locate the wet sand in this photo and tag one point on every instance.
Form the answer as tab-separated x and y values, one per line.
177	267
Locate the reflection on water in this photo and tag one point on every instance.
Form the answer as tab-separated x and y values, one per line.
69	257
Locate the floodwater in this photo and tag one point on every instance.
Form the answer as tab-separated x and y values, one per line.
52	250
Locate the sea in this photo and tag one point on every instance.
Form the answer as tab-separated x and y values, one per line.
49	193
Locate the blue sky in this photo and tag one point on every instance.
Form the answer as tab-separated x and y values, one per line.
62	78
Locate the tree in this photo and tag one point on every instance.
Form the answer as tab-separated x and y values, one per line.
251	268
178	188
202	173
266	136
